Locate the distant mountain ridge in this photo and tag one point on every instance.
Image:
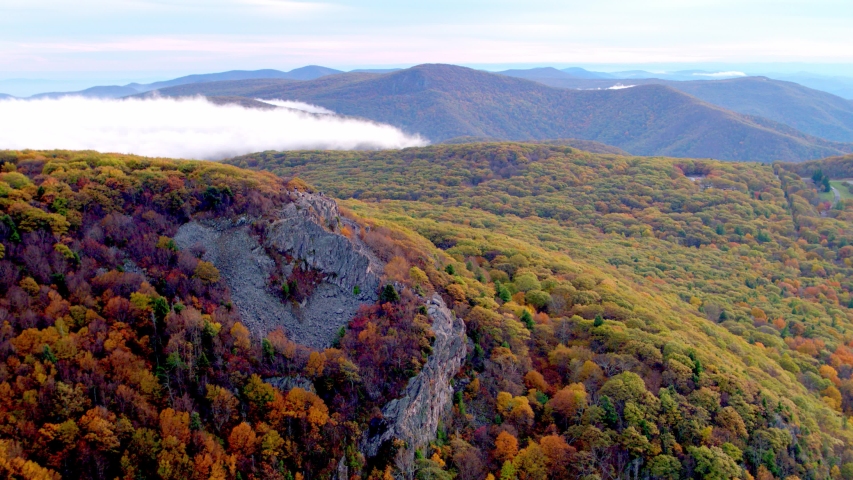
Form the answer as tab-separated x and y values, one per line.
841	86
309	72
578	73
110	91
305	73
802	122
811	111
445	101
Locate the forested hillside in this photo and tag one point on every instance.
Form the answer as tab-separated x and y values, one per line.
704	278
834	167
441	102
124	356
624	317
810	111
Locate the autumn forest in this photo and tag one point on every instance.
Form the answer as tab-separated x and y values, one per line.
620	317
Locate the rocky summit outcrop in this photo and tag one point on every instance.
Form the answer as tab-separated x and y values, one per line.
414	417
306	232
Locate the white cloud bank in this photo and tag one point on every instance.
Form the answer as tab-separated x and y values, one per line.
183	128
305	107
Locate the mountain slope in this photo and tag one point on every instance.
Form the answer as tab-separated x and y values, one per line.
544	72
583	73
113	91
443	102
840	86
810	111
585	145
147	282
837	168
310	72
472	310
737	255
553	73
266	88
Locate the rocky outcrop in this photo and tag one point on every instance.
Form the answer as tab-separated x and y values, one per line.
245	267
414	417
286	384
305	231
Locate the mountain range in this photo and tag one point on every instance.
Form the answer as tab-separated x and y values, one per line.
836	85
742	118
117	91
442	102
811	111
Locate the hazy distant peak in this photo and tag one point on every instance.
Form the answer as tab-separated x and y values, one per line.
578	72
727	74
311	72
375	70
108	91
542	72
550	72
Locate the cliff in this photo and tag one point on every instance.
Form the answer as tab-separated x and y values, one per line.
304	231
414	417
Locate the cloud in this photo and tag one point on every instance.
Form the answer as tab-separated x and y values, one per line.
619	86
721	74
305	107
183	128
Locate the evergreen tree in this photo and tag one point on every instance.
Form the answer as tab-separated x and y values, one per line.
389	294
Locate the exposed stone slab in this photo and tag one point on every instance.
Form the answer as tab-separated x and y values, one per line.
414	417
305	231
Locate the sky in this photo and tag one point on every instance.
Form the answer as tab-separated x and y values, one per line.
116	41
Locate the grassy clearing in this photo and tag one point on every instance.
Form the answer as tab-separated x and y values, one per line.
841	186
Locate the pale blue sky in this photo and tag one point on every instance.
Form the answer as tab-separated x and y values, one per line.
115	40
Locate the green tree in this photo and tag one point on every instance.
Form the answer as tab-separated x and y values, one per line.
389	294
537	299
527	319
712	463
664	467
611	416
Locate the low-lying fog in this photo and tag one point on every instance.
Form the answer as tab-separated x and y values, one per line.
184	128
305	107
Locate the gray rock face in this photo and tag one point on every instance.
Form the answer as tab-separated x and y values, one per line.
286	384
414	417
302	231
306	231
245	267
